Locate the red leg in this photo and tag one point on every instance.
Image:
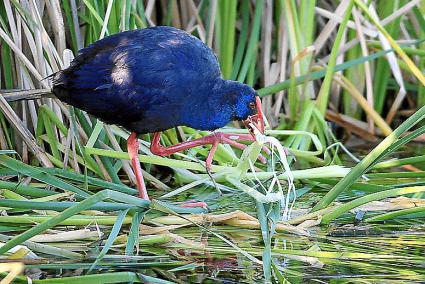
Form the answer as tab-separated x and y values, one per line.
133	151
210	156
213	139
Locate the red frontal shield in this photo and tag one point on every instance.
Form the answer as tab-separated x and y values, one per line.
256	120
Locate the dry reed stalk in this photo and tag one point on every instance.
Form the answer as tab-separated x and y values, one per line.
24	133
368	72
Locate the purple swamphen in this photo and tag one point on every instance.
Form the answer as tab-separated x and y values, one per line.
153	79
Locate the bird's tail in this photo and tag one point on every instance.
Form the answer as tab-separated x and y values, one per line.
32	94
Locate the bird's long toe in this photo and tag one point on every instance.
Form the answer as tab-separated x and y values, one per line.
194	204
232	139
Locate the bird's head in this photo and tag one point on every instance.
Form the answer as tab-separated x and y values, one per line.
244	105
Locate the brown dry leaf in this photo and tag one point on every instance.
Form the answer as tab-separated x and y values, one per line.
236	218
352	125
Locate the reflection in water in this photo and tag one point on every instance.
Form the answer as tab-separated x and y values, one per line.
384	256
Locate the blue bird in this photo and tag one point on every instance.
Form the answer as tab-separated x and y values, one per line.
153	79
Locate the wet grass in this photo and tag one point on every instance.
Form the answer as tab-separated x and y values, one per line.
355	246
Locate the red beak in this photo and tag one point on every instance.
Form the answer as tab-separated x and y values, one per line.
256	120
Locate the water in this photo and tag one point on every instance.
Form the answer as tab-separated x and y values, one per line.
346	251
339	253
376	253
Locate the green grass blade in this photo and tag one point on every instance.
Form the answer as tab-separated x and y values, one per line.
38	174
397	214
87	203
107	278
133	236
112	236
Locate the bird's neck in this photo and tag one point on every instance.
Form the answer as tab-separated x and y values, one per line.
205	110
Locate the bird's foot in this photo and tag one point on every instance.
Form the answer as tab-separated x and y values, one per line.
213	139
233	140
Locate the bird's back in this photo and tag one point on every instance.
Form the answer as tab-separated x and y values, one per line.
141	79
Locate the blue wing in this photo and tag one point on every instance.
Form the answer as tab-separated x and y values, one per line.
142	80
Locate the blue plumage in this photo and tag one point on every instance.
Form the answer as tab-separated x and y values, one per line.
153	79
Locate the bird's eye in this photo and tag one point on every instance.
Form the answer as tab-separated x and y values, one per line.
252	105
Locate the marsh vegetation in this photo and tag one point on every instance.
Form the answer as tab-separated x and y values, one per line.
343	90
